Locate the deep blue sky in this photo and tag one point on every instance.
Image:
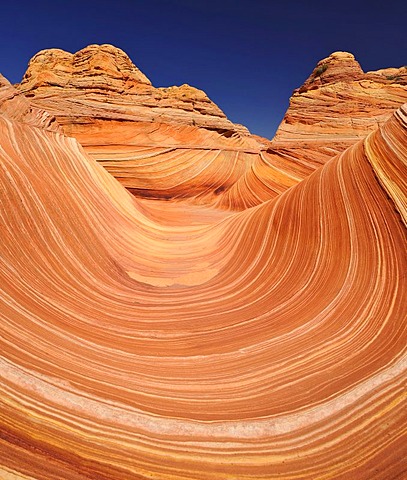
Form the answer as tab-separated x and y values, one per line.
247	55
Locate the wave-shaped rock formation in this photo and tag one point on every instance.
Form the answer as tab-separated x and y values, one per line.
143	339
176	143
158	142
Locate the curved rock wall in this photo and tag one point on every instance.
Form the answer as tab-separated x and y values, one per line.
176	143
170	340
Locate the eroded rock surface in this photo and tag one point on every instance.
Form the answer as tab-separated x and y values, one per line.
172	340
336	106
175	143
101	82
101	98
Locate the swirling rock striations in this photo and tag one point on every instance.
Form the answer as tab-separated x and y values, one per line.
169	340
158	142
17	107
337	105
175	143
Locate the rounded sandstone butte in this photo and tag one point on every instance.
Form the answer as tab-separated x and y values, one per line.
106	60
338	67
101	82
337	105
55	67
48	67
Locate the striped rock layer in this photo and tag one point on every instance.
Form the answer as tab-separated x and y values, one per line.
175	143
143	339
336	106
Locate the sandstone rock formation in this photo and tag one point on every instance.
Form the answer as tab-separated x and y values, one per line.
17	107
143	339
337	105
175	143
101	98
100	81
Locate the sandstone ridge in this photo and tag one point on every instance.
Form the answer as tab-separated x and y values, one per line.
92	66
339	66
337	105
175	143
101	81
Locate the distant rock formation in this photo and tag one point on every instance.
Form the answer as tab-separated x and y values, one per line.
158	142
101	82
337	105
176	143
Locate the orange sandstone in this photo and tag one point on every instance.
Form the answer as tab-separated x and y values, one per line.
172	340
337	105
175	143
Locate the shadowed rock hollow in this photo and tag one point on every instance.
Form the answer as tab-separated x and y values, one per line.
251	326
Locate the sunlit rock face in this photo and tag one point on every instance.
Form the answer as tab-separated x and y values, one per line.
176	143
15	106
150	339
337	105
158	142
